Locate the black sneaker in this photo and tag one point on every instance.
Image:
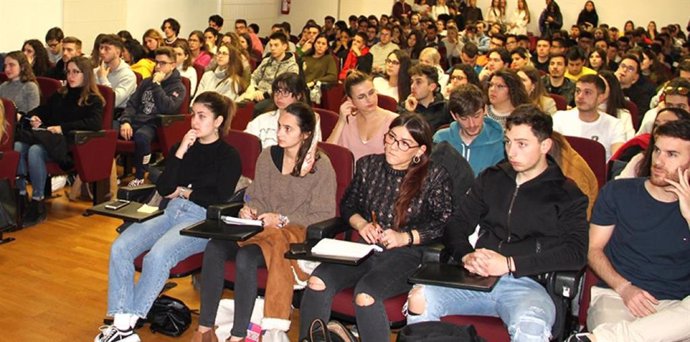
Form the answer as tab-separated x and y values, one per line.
109	333
35	214
579	337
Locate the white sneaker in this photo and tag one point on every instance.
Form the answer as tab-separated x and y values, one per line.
58	182
109	333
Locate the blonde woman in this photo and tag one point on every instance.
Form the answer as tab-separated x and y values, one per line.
226	78
520	18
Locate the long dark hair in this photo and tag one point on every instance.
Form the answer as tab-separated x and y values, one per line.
89	86
220	106
312	51
516	89
292	83
416	173
616	98
306	119
468	70
403	73
41	63
644	168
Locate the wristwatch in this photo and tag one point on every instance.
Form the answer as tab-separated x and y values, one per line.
283	221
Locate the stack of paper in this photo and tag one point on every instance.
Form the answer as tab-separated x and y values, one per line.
241	222
340	248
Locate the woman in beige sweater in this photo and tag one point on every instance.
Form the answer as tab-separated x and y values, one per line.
291	190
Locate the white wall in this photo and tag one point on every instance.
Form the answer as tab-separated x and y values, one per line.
86	18
32	20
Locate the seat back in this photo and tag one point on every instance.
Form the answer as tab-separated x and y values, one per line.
327	120
591	279
243	115
634	113
249	147
332	96
109	107
138	77
387	102
199	74
7	141
561	103
3	77
344	165
593	153
48	87
184	107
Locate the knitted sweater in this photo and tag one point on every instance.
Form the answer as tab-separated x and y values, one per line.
25	95
304	200
321	69
375	188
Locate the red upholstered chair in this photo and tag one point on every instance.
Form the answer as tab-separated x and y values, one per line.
9	159
3	77
634	113
593	153
591	279
242	116
199	74
332	96
387	102
561	103
47	86
328	120
343	163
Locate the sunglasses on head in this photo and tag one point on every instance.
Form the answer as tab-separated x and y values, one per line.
676	91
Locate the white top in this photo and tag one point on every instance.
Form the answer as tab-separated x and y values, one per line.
437	10
519	18
384	88
626	120
190	74
265	126
648	121
607	130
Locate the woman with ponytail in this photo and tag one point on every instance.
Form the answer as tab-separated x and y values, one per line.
399	200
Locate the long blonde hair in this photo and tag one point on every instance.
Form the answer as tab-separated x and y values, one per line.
3	122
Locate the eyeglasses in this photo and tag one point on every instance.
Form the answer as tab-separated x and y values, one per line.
497	86
457	78
676	91
404	146
282	93
162	63
391	61
628	68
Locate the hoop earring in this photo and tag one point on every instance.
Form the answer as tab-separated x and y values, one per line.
416	159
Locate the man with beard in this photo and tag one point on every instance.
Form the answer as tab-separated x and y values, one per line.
639	246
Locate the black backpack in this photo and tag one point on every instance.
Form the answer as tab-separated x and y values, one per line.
438	332
169	316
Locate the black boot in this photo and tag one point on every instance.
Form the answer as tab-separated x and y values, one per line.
35	214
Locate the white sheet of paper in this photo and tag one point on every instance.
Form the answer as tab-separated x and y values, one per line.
239	221
341	248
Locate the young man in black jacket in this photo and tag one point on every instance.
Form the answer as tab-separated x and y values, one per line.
162	93
425	97
532	221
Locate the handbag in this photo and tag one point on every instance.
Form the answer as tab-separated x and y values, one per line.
334	331
225	317
8	206
169	316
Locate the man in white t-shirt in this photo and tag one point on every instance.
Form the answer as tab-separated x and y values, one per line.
382	49
586	121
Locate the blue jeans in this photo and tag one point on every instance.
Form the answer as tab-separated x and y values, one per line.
143	137
167	247
32	158
523	304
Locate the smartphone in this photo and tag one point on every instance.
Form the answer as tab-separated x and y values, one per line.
117	204
298	248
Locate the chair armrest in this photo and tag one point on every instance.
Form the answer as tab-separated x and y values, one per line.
215	211
565	284
136	193
434	253
81	137
327	229
164	120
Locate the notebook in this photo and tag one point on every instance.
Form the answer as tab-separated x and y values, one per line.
452	276
212	229
343	249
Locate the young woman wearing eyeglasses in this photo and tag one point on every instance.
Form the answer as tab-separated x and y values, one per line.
399	200
362	122
396	80
226	79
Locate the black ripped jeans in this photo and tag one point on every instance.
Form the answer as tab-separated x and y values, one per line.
381	276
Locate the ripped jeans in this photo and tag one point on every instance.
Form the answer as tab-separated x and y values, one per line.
523	304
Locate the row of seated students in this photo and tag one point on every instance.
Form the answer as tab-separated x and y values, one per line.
427	78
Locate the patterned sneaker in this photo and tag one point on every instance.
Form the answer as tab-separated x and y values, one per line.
136	182
111	334
579	337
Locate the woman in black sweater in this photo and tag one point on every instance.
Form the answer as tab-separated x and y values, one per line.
201	170
398	200
76	106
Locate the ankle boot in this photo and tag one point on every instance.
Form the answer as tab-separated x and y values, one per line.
208	336
35	214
